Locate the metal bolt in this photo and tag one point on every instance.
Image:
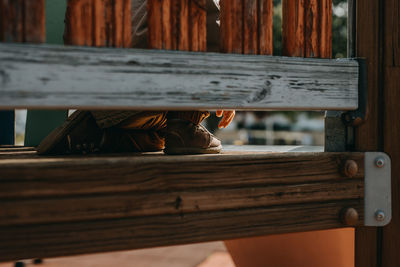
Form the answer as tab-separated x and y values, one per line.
379	162
349	216
350	168
379	215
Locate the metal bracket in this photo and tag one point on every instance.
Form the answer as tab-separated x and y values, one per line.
378	198
357	117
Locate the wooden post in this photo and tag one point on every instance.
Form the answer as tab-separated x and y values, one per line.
368	136
98	23
177	25
246	26
391	125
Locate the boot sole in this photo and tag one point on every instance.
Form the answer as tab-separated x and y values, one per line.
192	150
61	132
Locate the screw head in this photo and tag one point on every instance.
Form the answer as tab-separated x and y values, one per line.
350	168
379	215
349	216
379	162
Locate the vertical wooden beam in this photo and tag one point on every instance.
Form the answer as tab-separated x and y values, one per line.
183	26
197	20
177	25
22	21
246	26
250	27
307	28
265	24
293	28
155	21
368	136
391	128
99	37
232	26
98	23
166	23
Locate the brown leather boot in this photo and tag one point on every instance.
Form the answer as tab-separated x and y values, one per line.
185	137
80	134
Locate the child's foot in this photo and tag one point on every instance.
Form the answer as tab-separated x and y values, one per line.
184	137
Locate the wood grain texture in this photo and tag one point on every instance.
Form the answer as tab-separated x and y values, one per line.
98	23
391	128
246	26
250	27
67	77
177	25
368	136
293	28
232	26
22	21
198	25
307	28
83	205
265	20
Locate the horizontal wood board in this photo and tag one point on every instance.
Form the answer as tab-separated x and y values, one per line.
55	206
52	77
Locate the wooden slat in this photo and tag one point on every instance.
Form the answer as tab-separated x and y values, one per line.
67	77
198	23
307	28
22	21
265	15
232	26
246	26
131	233
293	24
98	23
124	202
177	25
250	27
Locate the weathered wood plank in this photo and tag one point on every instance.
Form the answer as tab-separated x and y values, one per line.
50	240
81	205
75	77
39	190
